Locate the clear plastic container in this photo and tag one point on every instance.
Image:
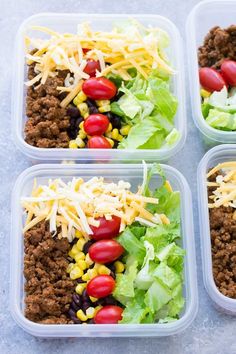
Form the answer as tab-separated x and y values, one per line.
68	23
201	19
133	174
214	156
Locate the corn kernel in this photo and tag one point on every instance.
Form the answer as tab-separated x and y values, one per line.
125	130
80	243
83	108
114	133
82	264
81	125
80	142
205	93
104	109
119	137
93	299
81	97
81	316
97	308
76	273
73	252
73	145
88	260
70	267
119	266
78	234
82	134
109	129
85	277
101	103
90	312
92	273
80	288
110	141
103	270
78	256
108	135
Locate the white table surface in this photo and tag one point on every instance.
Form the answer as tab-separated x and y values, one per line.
211	331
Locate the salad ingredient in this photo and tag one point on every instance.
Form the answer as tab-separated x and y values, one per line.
108	314
228	69
99	88
96	124
222	215
105	251
218	45
91	67
98	142
100	286
107	228
211	80
48	288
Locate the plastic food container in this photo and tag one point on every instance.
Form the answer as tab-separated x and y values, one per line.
214	156
133	174
201	19
68	23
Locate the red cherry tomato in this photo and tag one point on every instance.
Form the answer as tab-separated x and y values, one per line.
91	67
101	286
98	142
96	124
99	88
228	69
105	251
108	314
211	80
107	228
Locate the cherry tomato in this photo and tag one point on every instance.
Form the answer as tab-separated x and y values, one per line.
105	251
96	124
228	69
107	228
91	67
108	314
99	88
98	142
211	80
101	286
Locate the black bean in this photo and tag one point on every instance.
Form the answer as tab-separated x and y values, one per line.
109	300
90	321
71	312
73	112
86	246
80	280
93	110
112	267
74	306
85	306
77	299
78	121
90	103
76	320
85	296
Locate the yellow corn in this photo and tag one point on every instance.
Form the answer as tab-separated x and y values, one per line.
79	255
86	115
81	316
119	266
115	134
92	273
125	130
88	260
80	142
80	288
103	270
104	109
73	145
205	93
101	103
110	141
73	252
76	273
119	137
97	308
93	299
85	277
78	234
90	312
82	134
70	267
108	135
109	129
83	108
80	243
82	264
81	126
81	97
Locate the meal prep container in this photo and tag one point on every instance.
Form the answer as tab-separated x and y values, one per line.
201	19
212	158
133	174
68	23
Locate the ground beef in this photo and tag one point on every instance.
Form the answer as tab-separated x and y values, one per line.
223	242
218	44
48	287
47	124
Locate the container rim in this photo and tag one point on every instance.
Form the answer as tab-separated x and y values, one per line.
104	330
200	122
211	288
92	154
